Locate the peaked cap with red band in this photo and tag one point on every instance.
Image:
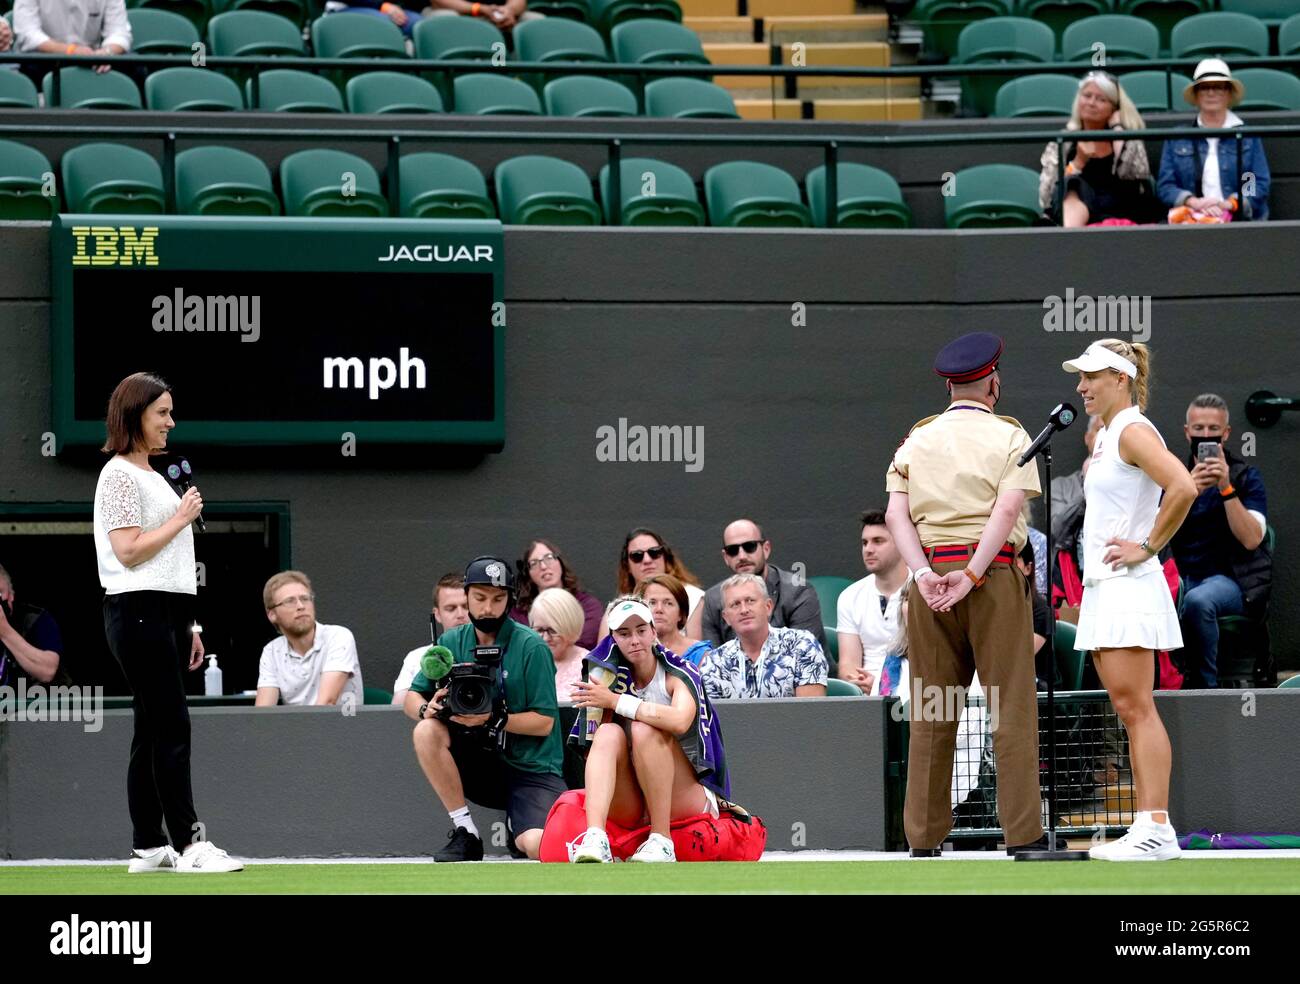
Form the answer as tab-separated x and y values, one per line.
969	358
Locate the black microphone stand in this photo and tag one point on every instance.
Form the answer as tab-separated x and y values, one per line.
1054	851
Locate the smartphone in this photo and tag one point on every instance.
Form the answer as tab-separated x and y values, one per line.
1207	449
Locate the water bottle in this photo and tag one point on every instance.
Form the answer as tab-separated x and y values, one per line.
212	678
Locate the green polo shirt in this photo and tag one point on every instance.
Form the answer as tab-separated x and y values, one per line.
529	673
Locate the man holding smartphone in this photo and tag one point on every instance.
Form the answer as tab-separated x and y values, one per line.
1220	547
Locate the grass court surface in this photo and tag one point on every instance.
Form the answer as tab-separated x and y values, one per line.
886	874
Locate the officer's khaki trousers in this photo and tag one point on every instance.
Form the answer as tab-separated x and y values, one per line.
990	630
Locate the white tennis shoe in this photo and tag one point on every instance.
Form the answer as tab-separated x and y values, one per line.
204	857
156	859
1145	841
591	847
656	848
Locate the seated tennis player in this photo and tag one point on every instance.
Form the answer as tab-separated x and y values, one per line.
656	753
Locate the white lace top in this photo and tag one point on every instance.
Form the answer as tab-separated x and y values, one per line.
129	496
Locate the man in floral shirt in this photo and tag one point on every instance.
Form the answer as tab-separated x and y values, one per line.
762	660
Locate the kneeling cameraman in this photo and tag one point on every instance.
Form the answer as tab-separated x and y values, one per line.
510	757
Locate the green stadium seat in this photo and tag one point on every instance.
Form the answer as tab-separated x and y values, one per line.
1269	11
869	198
587	95
295	11
1218	35
22	184
605	15
188	90
572	9
1124	37
223	181
1068	659
312	183
1060	14
828	589
287	90
84	88
689	99
17	91
992	196
942	21
253	33
1164	14
537	190
750	194
1004	40
455	38
835	687
1291	683
353	35
197	12
376	695
1038	94
107	178
1268	89
1151	91
656	42
439	186
558	39
485	94
1288	36
161	32
653	193
392	92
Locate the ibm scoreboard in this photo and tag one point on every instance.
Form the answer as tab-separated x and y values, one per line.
284	331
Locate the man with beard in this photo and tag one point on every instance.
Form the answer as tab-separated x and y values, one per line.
309	662
1220	548
510	758
867	611
794	602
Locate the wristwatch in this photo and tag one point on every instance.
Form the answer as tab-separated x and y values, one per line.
978	582
423	707
1146	545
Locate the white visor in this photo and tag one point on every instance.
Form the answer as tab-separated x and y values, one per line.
1097	357
627	610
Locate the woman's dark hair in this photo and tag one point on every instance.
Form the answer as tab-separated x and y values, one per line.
126	409
527	589
672	565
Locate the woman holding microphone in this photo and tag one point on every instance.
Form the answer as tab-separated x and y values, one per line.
145	548
1126	613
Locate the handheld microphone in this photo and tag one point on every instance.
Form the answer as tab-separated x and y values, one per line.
180	474
1062	417
436	662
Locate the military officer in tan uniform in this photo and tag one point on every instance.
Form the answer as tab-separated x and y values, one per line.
955	496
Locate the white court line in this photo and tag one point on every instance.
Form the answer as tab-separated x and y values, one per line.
1259	855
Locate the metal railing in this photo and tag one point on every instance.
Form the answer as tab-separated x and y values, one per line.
831	145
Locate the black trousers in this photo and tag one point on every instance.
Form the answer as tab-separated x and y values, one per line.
148	633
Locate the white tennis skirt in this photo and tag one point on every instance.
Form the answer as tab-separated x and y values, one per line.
1122	612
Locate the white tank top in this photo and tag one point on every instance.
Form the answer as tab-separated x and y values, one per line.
1120	500
656	691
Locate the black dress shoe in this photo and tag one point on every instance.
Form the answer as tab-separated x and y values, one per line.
926	852
461	846
1042	844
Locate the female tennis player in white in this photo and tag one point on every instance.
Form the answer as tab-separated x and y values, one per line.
1127	613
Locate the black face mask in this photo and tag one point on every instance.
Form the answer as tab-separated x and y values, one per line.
490	625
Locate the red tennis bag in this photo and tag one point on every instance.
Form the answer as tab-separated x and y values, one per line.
734	836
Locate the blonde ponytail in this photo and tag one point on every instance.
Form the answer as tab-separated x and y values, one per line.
1140	355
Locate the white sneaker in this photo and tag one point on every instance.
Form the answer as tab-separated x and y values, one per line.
591	847
156	859
1144	842
656	848
206	857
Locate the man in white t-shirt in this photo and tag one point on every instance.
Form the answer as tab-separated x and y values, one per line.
867	611
308	663
450	609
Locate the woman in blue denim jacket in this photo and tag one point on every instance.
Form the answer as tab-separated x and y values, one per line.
1185	179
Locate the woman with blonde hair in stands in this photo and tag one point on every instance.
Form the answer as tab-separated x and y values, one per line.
1136	495
665	596
1106	181
556	616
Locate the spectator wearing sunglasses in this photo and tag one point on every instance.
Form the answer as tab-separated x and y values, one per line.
794	605
542	566
646	554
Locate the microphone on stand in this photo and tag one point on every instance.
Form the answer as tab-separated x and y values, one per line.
1062	417
179	473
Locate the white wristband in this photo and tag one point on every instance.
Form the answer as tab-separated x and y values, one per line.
916	574
626	706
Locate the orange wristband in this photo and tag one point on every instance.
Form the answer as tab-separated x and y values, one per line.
978	582
70	49
474	8
387	8
1229	491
